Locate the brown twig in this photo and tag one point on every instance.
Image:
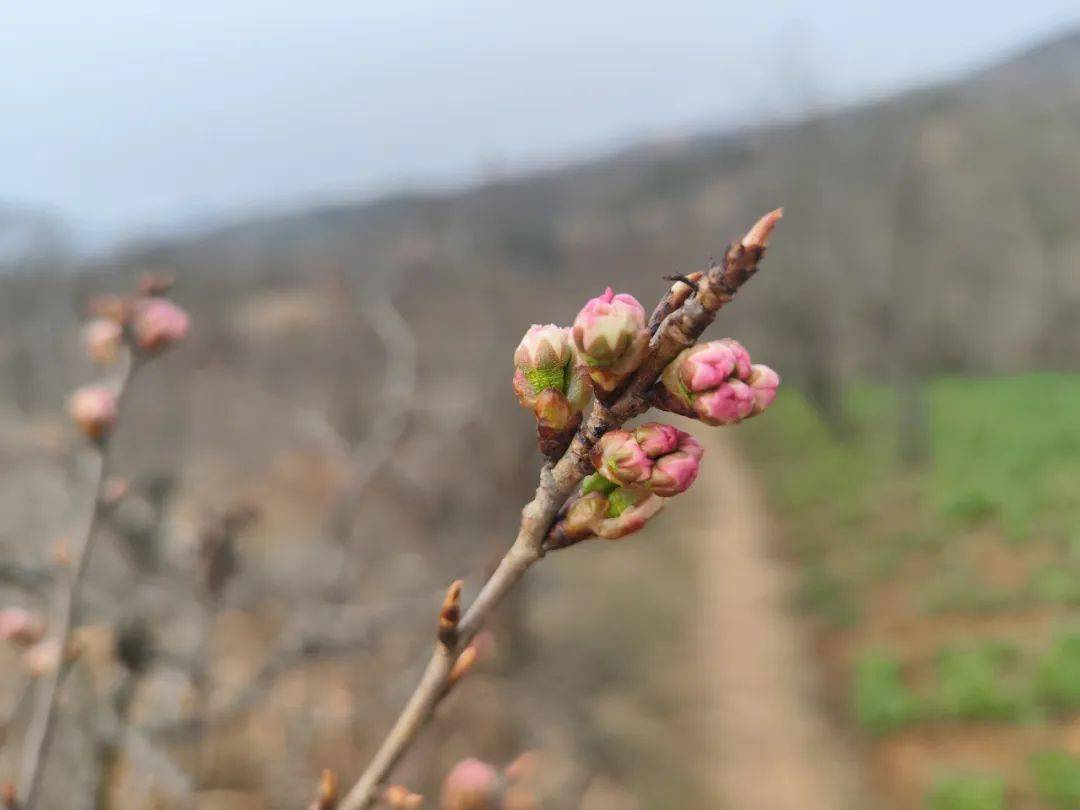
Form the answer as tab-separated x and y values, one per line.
43	720
676	330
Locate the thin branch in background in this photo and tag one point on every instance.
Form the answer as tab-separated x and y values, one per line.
130	330
43	720
677	330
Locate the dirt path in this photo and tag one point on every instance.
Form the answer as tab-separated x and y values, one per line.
770	747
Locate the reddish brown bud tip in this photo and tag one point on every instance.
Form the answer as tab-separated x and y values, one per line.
328	792
758	236
450	614
9	796
155	283
399	797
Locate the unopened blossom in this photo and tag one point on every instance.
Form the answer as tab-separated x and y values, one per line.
471	785
728	403
21	626
620	458
710	382
546	379
399	797
102	338
94	409
763	382
581	518
158	323
659	457
611	337
629	509
674	472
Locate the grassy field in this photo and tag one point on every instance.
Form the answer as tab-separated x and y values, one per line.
948	593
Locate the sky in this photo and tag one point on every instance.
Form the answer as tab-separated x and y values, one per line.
129	117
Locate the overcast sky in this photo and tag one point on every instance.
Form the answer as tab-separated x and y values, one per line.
133	115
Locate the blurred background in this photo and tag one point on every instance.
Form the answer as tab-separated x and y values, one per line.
868	600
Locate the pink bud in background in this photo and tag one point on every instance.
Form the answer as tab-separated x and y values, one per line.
656	439
102	337
471	785
727	404
742	357
21	626
158	323
611	337
618	457
674	472
629	509
43	657
763	382
94	409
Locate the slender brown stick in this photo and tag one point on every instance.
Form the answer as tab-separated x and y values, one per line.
43	720
678	329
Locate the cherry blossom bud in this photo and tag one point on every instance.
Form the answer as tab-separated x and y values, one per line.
102	338
763	381
742	357
729	403
628	510
471	785
94	409
611	337
21	626
710	382
543	356
158	323
675	472
111	307
619	458
581	517
399	797
43	657
657	439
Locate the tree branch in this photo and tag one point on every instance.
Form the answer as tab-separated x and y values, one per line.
43	720
679	328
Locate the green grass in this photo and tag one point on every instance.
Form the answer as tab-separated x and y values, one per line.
1056	777
883	703
967	791
1004	459
1057	676
978	683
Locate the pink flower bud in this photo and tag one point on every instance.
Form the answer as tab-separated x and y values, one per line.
546	379
21	626
629	508
611	337
656	439
727	404
102	337
763	381
706	365
742	357
158	323
94	409
675	472
471	785
709	381
43	657
619	458
544	349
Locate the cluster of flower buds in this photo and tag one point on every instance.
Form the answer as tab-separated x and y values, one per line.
147	323
476	785
635	470
549	382
611	338
716	383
